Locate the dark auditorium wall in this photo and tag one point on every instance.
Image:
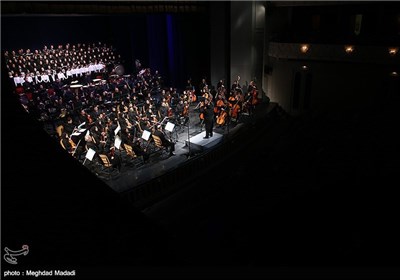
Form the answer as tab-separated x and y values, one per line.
170	43
329	80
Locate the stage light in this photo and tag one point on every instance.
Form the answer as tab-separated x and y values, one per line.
394	74
393	51
349	49
304	67
304	48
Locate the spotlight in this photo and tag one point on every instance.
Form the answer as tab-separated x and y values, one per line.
304	67
304	48
349	49
394	74
393	51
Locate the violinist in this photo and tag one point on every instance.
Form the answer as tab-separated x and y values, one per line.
139	151
236	84
184	117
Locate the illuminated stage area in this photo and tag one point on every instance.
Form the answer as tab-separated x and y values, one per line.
190	146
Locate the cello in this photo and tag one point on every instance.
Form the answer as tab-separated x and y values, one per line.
221	119
192	96
235	110
201	115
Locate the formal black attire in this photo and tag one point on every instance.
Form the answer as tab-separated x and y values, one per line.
165	141
208	112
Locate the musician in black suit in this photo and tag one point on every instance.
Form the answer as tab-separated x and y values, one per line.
165	142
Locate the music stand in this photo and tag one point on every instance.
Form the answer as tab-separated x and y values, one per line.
170	128
117	142
117	129
89	155
146	136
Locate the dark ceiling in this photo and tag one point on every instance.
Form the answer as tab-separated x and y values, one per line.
99	7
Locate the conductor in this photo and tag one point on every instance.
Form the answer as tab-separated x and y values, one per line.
208	112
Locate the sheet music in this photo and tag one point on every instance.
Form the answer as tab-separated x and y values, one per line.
117	142
146	135
90	154
169	127
117	130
